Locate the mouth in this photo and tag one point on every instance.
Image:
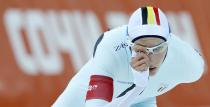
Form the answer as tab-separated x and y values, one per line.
152	71
152	68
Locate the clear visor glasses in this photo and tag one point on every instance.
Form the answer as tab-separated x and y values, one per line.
153	50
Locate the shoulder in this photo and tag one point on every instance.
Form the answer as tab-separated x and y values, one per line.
190	61
110	40
115	35
108	51
181	47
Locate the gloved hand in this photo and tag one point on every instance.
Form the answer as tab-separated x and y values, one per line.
140	78
140	68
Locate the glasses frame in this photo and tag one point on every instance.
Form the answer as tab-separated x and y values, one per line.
149	50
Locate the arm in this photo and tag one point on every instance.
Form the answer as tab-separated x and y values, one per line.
100	90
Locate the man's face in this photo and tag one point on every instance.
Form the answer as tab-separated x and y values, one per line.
155	60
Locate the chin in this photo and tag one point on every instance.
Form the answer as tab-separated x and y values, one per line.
152	71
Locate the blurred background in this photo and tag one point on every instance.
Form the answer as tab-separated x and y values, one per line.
43	43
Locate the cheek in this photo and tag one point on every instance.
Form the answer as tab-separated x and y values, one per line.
157	59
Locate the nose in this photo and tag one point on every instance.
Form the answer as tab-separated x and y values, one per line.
139	49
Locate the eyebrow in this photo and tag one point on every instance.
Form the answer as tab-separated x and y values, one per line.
146	45
141	44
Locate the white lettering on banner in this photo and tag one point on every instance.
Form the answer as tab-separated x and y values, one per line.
64	34
114	19
59	35
36	23
88	27
77	33
14	20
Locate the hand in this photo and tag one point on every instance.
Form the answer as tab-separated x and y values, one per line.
140	61
140	69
